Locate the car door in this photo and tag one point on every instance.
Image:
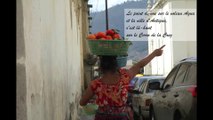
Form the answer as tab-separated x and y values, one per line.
175	95
146	96
148	93
189	99
181	97
136	97
160	101
143	96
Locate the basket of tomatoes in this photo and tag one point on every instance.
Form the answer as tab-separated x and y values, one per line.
108	43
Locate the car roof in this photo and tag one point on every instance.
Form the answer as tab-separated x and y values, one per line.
152	77
189	59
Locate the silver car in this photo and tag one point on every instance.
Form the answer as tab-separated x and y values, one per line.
176	99
141	97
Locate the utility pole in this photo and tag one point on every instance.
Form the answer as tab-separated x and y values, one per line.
106	10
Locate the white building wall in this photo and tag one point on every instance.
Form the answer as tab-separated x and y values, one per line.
184	31
160	65
168	49
183	42
49	58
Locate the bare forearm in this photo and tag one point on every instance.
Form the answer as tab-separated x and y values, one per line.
136	68
86	97
145	61
83	101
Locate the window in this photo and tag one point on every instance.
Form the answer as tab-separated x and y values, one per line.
181	74
134	80
191	77
151	81
170	78
142	87
138	83
149	90
161	81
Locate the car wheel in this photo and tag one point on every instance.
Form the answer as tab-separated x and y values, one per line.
141	117
138	117
140	114
152	114
177	116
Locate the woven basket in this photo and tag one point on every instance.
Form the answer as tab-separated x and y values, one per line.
109	47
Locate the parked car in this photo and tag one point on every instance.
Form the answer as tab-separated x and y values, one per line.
141	98
176	99
132	87
133	81
138	81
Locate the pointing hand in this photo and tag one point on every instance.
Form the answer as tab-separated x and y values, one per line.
159	51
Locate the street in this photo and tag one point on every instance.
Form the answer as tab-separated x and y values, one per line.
84	116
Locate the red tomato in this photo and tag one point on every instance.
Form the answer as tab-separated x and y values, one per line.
116	36
110	32
108	37
100	35
91	37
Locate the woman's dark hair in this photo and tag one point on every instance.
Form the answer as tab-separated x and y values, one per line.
108	64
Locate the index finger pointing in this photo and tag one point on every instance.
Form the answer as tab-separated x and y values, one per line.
162	46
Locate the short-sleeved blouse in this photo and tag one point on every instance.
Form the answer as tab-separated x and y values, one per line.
113	94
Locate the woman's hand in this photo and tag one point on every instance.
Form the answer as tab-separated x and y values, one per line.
159	51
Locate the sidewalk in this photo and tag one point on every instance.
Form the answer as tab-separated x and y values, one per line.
85	116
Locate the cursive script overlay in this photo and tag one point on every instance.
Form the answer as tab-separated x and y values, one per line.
140	24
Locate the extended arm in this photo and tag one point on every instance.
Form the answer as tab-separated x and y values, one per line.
136	68
86	96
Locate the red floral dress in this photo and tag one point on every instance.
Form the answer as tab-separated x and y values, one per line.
114	95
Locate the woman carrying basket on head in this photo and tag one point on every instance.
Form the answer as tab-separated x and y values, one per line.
111	88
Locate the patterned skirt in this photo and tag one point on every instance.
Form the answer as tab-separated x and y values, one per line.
112	113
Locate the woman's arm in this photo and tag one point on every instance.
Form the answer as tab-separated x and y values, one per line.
86	96
136	68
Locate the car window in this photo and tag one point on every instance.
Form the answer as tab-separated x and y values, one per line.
170	78
161	81
191	77
150	81
142	87
181	74
149	90
138	83
134	80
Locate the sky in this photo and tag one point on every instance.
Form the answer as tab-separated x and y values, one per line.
99	5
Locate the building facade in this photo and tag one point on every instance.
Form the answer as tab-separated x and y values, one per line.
51	47
182	44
